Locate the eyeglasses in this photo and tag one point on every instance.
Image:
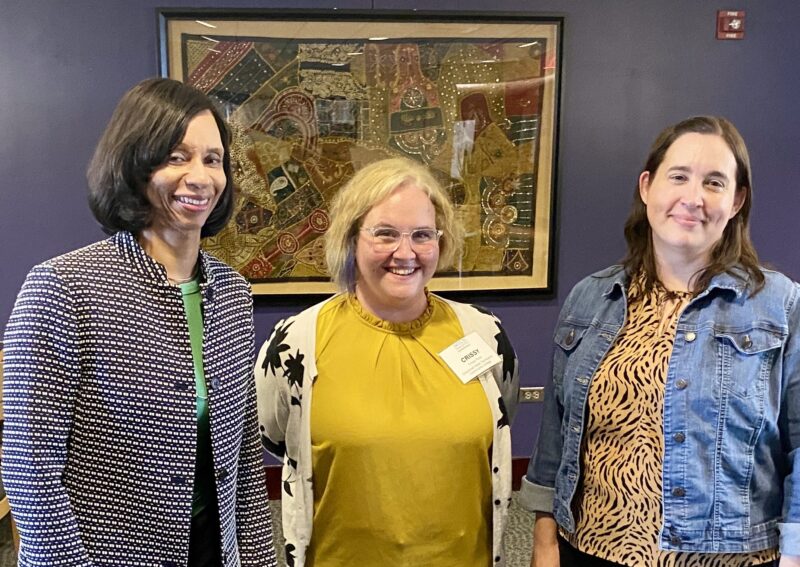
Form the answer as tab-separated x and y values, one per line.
387	239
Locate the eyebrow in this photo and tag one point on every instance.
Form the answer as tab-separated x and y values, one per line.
390	225
189	147
686	169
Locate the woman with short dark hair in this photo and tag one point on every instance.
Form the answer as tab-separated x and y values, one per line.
131	434
671	428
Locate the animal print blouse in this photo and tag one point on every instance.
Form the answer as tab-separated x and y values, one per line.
618	505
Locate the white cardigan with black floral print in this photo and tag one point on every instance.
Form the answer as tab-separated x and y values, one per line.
285	373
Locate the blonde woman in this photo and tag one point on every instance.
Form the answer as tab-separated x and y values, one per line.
391	456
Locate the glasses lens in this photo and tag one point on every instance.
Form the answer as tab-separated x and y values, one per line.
385	238
424	237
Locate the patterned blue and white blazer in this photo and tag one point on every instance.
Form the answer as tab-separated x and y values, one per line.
101	430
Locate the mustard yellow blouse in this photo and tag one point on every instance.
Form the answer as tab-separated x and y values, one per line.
400	446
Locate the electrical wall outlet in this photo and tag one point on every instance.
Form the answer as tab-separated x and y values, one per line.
530	395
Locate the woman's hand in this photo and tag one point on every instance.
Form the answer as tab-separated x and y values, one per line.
786	561
545	542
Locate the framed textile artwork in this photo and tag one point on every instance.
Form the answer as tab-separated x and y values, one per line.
313	96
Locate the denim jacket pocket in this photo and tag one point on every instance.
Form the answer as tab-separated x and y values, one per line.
747	357
569	335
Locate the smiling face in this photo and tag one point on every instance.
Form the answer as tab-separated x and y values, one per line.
186	188
392	285
690	198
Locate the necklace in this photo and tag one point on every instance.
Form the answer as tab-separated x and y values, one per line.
183	281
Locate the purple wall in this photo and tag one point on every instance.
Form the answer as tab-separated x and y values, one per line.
631	68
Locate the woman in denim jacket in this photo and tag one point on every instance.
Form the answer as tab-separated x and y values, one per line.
672	424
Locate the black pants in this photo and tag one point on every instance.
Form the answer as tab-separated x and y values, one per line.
571	557
205	539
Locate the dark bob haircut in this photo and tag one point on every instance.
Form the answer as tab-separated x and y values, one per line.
148	123
734	253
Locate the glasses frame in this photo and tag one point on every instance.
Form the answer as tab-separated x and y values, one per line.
407	233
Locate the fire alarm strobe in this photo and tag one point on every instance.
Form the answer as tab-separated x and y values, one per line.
730	24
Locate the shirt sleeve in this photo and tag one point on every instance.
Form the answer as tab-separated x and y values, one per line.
537	492
253	515
41	383
509	382
789	424
272	391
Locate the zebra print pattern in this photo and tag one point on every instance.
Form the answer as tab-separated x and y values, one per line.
618	506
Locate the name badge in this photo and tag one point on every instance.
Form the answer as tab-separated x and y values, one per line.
470	357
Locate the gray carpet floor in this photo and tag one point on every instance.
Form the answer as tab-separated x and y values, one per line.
8	556
518	535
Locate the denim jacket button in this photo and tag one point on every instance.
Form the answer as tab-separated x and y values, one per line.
691	336
570	337
747	342
675	540
681	384
678	491
576	428
582	380
679	437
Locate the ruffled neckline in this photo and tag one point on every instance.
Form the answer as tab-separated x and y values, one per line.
657	294
405	328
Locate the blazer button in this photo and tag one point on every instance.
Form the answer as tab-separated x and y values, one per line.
215	383
679	437
681	384
181	386
178	480
679	492
691	336
221	474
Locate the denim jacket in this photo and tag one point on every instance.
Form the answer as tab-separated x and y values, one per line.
731	463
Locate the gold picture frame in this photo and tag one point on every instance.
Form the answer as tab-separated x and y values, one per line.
312	96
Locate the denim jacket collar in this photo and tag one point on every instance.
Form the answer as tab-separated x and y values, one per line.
727	394
618	280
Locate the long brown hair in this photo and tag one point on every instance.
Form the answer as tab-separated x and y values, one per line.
734	252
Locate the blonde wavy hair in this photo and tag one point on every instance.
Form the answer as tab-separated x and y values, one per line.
368	187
